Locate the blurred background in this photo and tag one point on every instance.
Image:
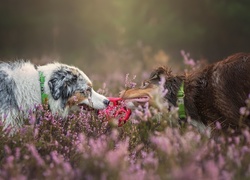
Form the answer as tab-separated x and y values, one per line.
127	36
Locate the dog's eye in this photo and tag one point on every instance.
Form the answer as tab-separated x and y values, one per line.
155	76
145	84
89	91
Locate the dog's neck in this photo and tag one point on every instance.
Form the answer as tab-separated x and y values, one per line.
173	85
191	82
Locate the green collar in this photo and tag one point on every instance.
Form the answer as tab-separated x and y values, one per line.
180	102
44	96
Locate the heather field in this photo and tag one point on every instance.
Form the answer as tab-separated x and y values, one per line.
151	145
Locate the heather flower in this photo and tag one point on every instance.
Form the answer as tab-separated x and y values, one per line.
150	160
147	111
218	125
244	111
237	140
81	146
80	143
55	158
7	150
226	175
187	60
189	172
35	154
163	143
17	153
10	161
32	118
245	149
117	156
212	170
129	83
221	161
98	146
246	135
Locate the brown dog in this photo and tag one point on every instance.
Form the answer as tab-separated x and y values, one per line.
215	93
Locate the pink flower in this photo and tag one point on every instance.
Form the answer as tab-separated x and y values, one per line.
163	143
221	161
129	83
55	157
187	60
67	167
244	111
18	153
218	125
117	156
246	135
98	146
212	170
35	154
7	149
237	140
10	161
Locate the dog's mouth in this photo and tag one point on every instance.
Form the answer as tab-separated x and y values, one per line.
142	99
85	107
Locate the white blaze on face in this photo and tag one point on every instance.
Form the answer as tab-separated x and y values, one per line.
95	101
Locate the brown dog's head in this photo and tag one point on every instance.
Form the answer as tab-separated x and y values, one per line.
153	88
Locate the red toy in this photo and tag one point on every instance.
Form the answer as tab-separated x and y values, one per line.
116	109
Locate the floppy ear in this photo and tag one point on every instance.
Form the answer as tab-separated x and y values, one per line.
156	75
56	87
61	84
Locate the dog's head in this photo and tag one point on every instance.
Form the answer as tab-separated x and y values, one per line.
160	81
72	87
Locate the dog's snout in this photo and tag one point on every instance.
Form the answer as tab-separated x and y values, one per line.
106	102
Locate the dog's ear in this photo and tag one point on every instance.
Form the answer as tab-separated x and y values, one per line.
61	84
157	74
56	87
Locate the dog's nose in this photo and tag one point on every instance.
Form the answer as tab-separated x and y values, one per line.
106	102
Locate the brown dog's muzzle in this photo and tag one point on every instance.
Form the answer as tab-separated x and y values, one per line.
138	96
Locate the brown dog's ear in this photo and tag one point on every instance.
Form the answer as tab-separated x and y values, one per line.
159	72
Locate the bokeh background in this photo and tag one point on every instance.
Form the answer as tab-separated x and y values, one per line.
128	36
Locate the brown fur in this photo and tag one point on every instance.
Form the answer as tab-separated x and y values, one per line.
215	93
75	99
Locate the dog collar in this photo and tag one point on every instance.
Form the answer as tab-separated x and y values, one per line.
180	102
44	96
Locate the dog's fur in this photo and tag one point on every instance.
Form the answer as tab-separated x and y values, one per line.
215	93
65	85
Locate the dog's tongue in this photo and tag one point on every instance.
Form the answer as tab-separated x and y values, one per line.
116	109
